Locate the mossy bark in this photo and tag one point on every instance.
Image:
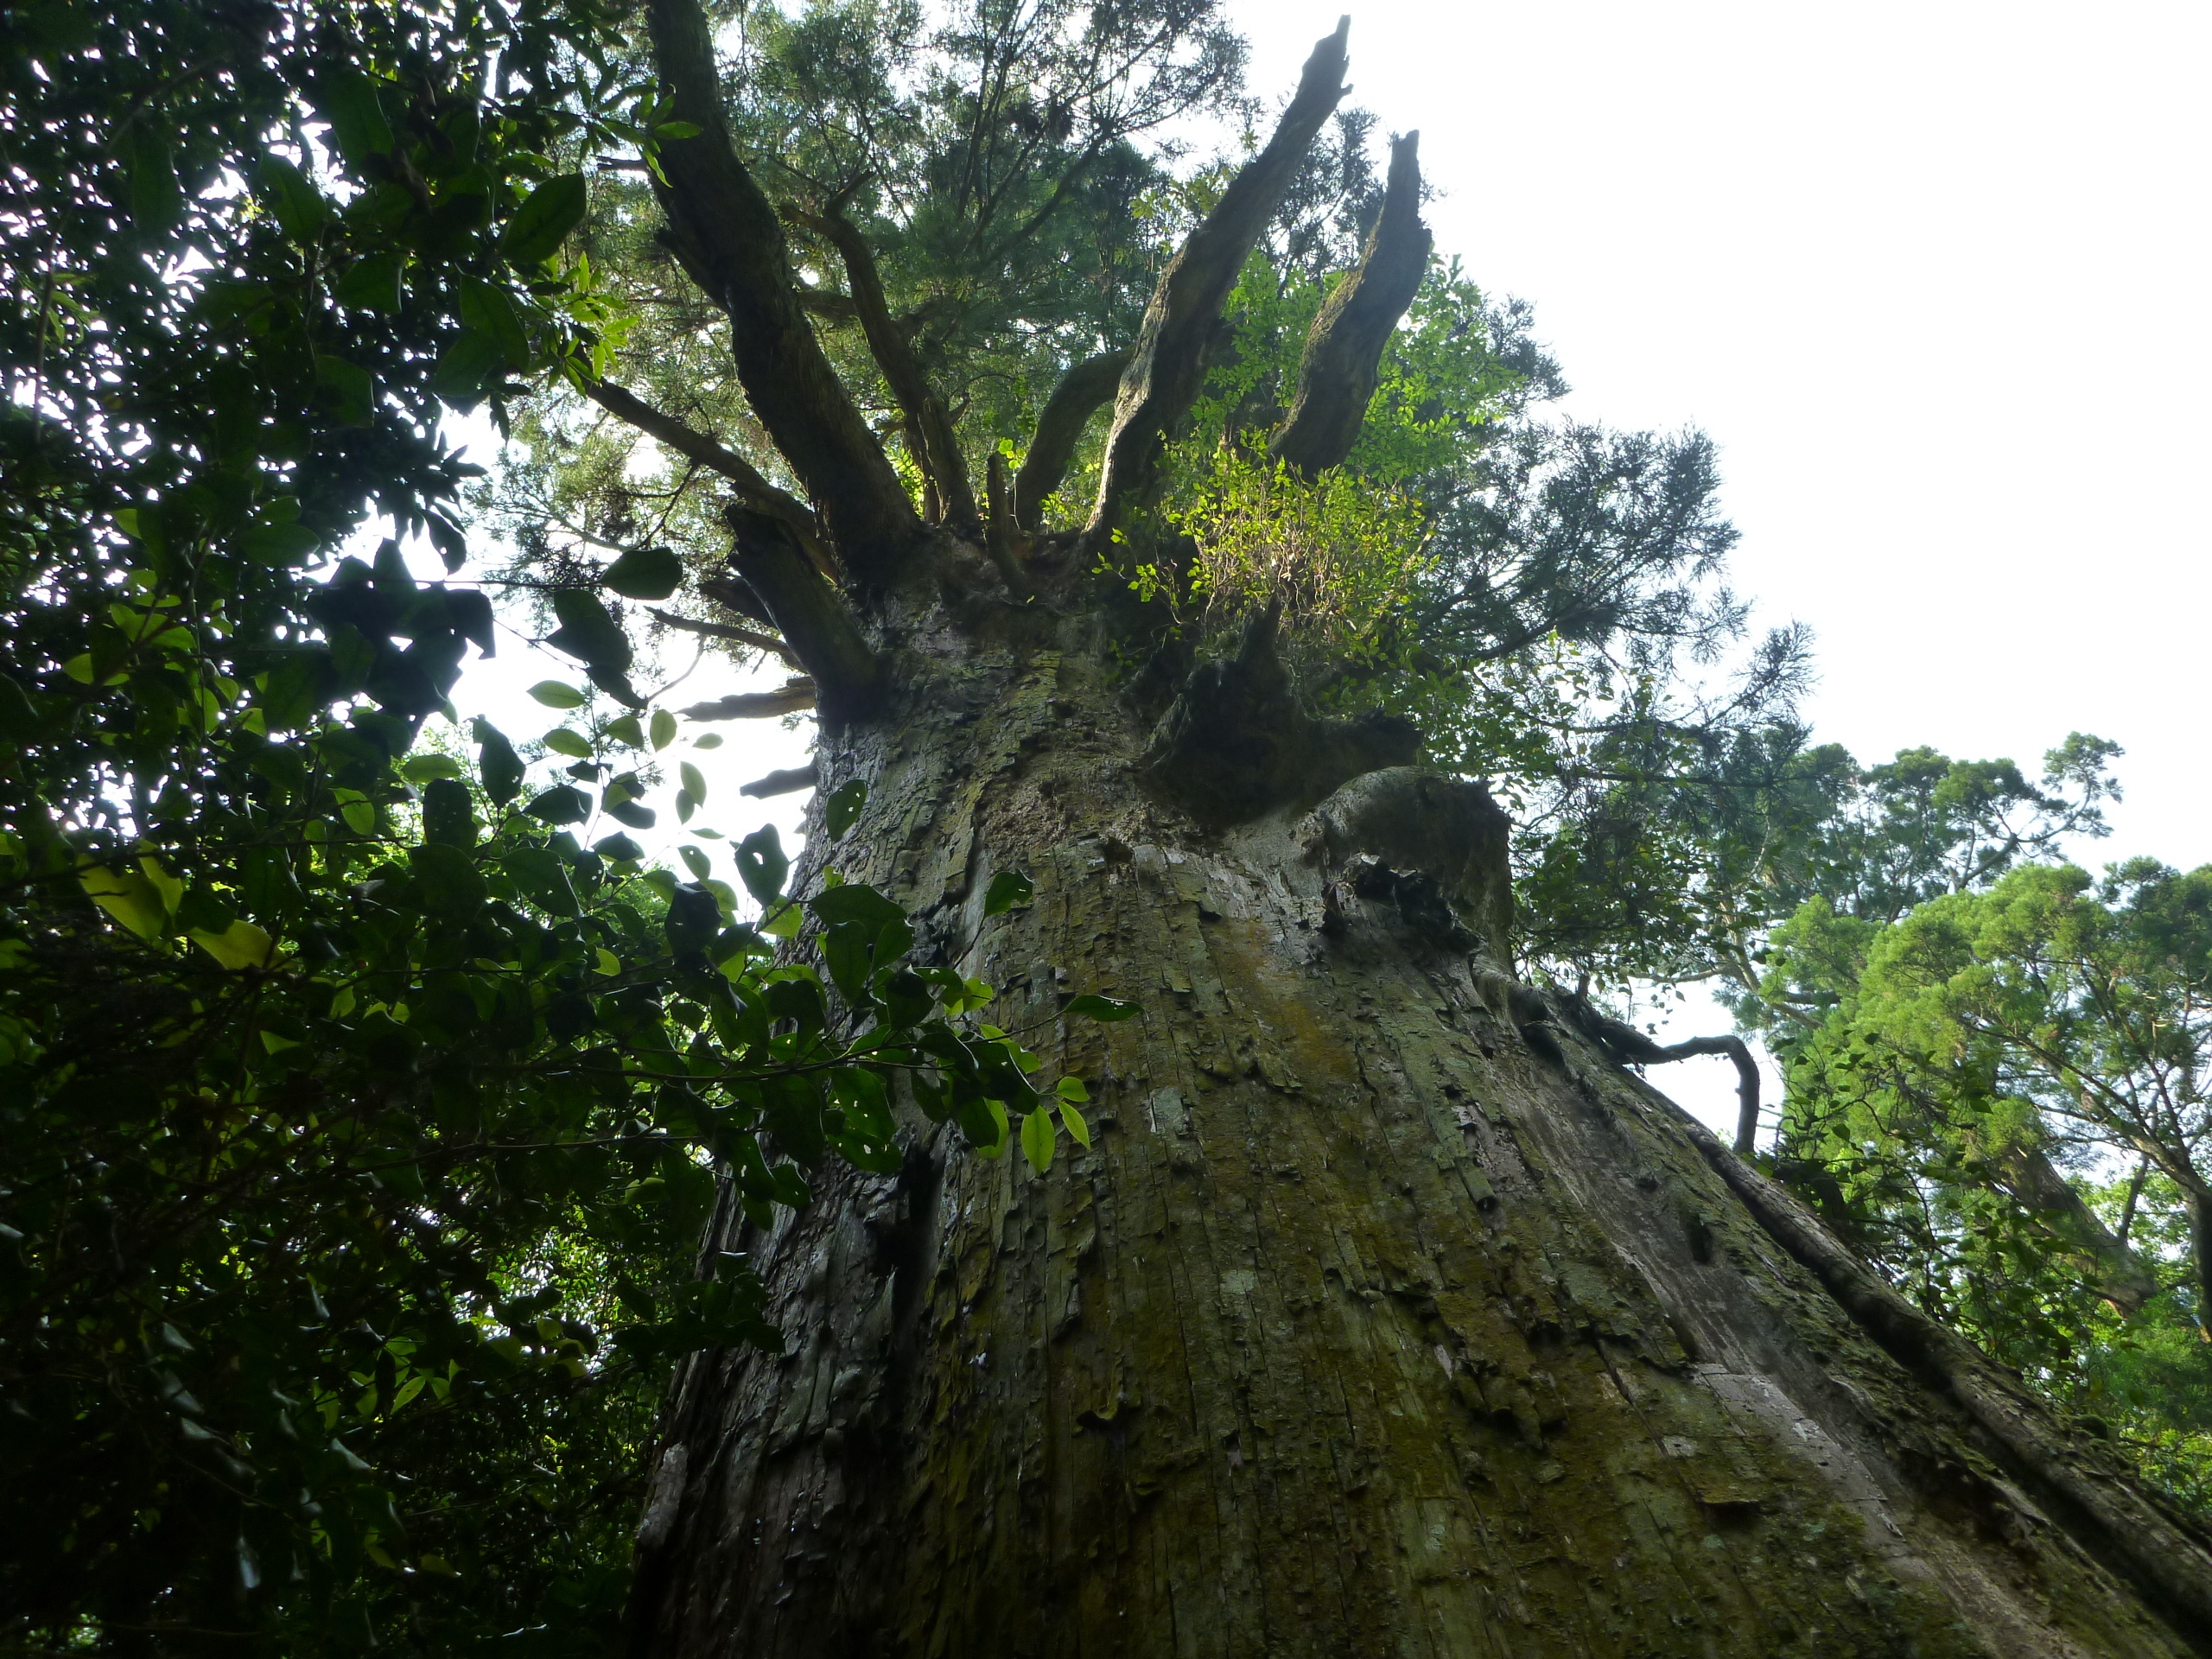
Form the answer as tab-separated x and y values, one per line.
1380	1319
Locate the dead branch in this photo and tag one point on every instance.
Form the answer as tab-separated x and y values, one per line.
1626	1046
792	697
939	454
1082	392
1338	371
1168	365
751	637
782	783
727	233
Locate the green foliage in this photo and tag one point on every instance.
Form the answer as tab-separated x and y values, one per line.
1008	167
1337	559
2050	1014
364	1097
1676	853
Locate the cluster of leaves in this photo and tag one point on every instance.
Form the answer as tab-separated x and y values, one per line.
362	1119
295	1166
2052	1016
1336	558
1681	851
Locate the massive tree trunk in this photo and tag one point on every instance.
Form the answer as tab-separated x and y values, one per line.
1385	1315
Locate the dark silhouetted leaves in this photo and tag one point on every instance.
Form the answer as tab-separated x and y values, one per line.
542	223
761	865
644	572
843	809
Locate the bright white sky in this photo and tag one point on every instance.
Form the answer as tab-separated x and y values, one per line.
1933	276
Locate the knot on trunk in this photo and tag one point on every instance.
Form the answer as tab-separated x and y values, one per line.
1436	844
1237	742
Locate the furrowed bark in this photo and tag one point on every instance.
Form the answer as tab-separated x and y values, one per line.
1337	374
939	454
1083	389
2171	1560
731	240
1168	365
1379	1317
759	494
809	612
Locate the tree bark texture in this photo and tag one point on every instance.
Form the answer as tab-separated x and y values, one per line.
1385	1316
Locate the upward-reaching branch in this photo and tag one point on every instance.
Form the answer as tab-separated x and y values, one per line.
893	352
1343	349
760	494
729	237
1059	428
1168	366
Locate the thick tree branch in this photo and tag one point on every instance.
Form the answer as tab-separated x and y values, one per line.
751	637
760	494
808	612
782	783
1083	390
1168	365
832	307
893	352
1343	350
792	697
1627	1046
999	530
2114	1272
728	234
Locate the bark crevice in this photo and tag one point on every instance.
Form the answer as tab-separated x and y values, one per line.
1237	741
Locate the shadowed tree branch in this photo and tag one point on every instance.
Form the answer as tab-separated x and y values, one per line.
810	614
1082	391
760	494
1168	365
791	697
727	235
751	637
2114	1271
1337	374
999	530
893	352
1627	1046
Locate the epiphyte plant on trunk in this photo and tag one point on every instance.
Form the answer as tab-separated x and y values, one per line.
1384	1310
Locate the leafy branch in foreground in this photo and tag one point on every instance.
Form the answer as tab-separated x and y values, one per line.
362	1122
289	1159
